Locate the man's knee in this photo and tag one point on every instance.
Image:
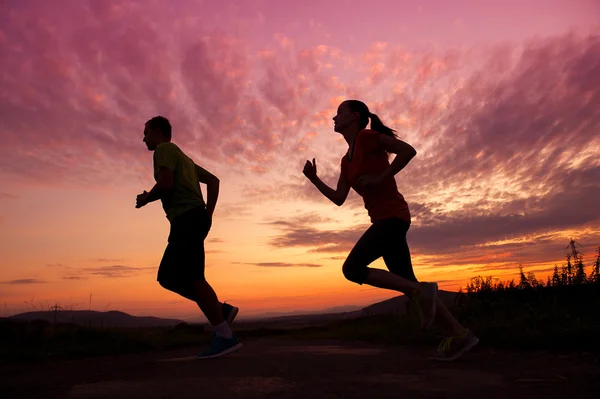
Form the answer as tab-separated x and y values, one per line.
178	287
355	274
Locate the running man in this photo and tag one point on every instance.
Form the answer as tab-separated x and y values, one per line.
182	267
366	168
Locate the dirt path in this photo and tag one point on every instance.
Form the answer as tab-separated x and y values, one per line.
276	368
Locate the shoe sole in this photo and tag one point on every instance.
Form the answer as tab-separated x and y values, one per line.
467	348
225	352
433	310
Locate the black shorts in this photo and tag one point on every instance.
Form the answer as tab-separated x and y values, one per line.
385	238
183	260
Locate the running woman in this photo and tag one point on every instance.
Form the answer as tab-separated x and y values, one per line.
366	168
182	267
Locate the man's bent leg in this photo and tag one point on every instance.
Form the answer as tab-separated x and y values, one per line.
224	340
207	300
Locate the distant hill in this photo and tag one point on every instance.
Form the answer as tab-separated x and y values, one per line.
395	305
111	318
272	315
399	304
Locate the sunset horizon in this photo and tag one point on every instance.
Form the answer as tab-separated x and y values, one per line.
500	102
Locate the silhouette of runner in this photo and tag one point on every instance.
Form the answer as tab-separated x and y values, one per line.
182	267
366	169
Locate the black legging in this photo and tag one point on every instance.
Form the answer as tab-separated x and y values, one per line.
387	238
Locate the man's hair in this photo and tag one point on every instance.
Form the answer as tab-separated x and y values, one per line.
162	124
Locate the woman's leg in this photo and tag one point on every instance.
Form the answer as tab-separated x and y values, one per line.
370	247
397	259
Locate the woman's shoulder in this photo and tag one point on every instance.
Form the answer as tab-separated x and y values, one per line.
368	133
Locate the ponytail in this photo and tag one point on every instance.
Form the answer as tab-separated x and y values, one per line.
365	114
379	127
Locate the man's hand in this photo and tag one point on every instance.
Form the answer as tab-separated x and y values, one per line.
141	199
368	181
310	169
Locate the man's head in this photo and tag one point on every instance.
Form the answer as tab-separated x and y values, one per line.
157	130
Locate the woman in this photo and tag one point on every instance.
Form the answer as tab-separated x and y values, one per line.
366	169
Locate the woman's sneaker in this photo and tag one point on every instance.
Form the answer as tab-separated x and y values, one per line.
452	348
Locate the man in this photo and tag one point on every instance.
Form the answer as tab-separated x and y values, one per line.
182	267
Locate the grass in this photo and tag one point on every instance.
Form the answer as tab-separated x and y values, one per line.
542	318
534	321
555	318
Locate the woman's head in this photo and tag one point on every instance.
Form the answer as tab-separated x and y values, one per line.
354	114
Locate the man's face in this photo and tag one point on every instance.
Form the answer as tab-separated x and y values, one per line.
151	137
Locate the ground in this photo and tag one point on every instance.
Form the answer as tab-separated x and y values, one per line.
285	368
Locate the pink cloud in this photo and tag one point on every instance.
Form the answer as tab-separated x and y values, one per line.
513	149
506	136
75	95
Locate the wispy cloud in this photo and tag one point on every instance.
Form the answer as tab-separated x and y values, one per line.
57	265
23	281
117	271
109	260
8	196
298	235
109	271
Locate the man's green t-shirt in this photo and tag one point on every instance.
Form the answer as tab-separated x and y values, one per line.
186	192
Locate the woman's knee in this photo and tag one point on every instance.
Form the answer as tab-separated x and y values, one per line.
355	273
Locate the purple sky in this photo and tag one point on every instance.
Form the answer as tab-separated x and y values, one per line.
500	99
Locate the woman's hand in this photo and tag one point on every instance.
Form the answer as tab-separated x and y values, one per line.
310	170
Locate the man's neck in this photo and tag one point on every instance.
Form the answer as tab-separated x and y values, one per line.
162	142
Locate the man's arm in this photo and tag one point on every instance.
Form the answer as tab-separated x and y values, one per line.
212	188
163	186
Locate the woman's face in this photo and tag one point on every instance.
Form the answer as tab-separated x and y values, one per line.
344	118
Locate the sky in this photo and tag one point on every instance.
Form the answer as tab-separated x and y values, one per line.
500	100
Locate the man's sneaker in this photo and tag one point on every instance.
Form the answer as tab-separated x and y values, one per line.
452	348
229	312
220	346
426	304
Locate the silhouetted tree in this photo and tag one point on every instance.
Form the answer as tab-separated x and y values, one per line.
533	281
523	280
557	281
479	284
580	276
500	286
568	271
595	276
